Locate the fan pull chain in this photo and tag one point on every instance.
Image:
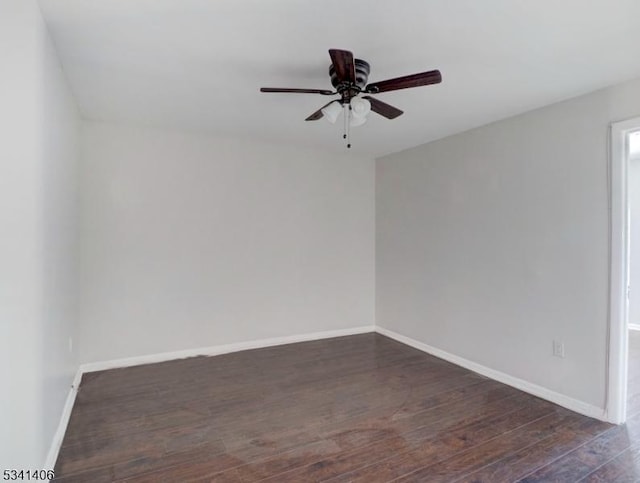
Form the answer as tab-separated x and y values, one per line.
349	129
345	121
347	124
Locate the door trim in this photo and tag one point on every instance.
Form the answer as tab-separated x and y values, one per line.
616	403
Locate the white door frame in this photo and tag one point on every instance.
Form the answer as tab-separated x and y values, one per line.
619	270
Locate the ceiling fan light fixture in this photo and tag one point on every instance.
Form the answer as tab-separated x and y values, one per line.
331	112
356	121
360	107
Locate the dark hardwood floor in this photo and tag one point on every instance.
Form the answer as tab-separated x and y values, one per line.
360	408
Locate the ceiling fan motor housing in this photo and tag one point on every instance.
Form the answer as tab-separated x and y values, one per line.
362	69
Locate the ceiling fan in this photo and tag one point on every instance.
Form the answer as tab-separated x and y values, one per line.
349	77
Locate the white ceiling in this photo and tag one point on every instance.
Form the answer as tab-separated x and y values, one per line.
198	64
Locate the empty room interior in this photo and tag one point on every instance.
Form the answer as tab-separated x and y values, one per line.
291	241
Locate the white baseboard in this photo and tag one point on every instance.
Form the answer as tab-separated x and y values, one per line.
539	391
222	349
56	444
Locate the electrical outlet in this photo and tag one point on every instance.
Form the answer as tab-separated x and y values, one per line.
70	345
558	348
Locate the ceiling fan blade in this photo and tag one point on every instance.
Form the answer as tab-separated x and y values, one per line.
384	109
414	80
318	114
342	61
324	92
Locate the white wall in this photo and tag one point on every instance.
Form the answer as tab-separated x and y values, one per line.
19	304
634	209
494	242
37	161
59	149
189	241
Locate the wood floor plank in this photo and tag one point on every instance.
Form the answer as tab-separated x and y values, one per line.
386	459
492	451
520	463
624	468
357	408
576	464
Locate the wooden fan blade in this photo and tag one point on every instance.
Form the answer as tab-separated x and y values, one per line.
324	92
414	80
384	109
318	114
342	61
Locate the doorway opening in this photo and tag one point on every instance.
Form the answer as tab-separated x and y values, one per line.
624	384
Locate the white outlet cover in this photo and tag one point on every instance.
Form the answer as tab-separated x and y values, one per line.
558	348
